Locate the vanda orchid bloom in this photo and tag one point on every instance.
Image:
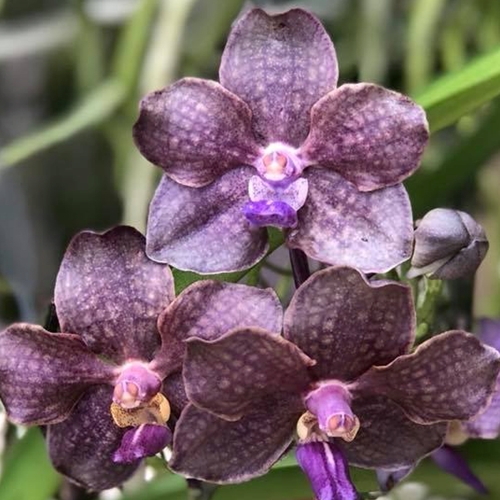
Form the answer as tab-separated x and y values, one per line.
277	144
105	390
342	383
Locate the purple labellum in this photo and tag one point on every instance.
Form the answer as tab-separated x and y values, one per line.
270	213
330	403
292	193
327	470
448	459
135	385
144	441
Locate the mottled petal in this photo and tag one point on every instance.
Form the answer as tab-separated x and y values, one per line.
43	375
209	309
227	376
327	470
111	294
212	449
487	424
340	225
450	377
140	442
174	391
452	462
196	131
204	229
280	65
371	136
347	324
489	332
82	446
387	439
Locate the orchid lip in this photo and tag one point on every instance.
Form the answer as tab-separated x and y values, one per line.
330	405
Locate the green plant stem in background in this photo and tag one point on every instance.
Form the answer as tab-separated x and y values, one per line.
373	40
96	107
427	300
422	31
159	70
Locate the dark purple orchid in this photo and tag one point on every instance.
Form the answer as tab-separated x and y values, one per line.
342	377
277	144
105	391
487	425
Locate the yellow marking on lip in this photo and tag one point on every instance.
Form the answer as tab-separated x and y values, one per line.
157	411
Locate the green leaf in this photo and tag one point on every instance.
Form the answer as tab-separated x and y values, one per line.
28	474
456	94
183	279
440	186
93	109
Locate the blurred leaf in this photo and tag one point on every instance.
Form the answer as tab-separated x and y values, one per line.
128	57
438	187
185	278
28	474
459	93
422	29
93	109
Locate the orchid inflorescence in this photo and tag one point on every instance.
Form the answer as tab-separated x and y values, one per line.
221	374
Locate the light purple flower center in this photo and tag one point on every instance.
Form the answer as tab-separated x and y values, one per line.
278	192
135	386
330	405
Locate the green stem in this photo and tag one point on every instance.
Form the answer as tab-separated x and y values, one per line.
426	305
159	70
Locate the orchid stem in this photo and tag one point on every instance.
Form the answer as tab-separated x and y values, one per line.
300	266
199	490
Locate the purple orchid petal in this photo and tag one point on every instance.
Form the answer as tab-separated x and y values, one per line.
174	391
270	213
213	449
196	131
387	479
449	377
204	229
448	459
371	136
387	439
347	324
489	332
229	375
487	424
43	375
340	225
110	293
327	470
209	309
82	446
280	65
144	441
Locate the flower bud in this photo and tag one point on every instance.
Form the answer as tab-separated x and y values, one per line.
449	244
